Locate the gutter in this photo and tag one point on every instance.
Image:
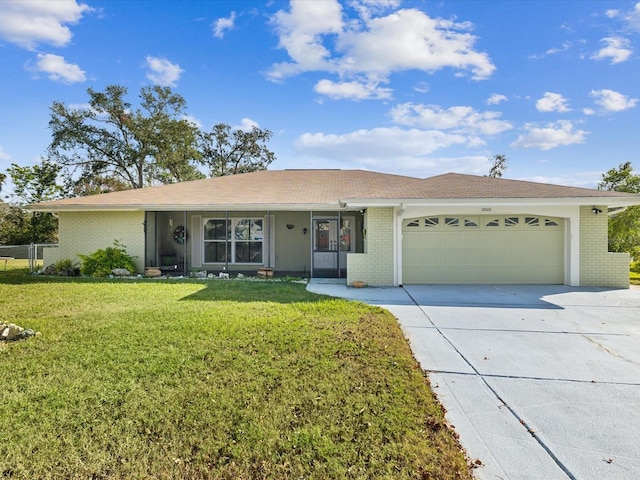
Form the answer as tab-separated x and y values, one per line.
179	208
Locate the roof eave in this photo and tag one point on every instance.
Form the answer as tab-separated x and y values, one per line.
188	208
610	201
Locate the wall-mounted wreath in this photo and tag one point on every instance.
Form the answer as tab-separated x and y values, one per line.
180	234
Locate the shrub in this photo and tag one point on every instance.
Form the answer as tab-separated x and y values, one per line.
101	262
66	267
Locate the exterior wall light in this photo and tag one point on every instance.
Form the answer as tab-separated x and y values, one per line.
596	211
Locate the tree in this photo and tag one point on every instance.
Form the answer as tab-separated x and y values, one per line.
229	152
624	227
108	139
621	179
3	178
498	165
37	183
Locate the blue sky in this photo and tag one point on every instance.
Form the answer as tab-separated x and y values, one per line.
416	88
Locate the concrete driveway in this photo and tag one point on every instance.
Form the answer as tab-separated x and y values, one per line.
540	382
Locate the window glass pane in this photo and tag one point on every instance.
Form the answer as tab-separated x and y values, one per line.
431	222
214	229
470	223
451	221
255	233
493	223
322	235
248	252
242	230
214	252
345	235
550	223
532	221
413	223
511	221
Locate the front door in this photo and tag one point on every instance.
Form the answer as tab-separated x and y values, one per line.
325	247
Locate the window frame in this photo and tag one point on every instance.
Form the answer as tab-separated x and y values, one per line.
230	225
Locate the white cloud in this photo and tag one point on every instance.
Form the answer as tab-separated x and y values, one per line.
352	90
459	119
617	50
612	101
193	121
301	31
410	39
367	50
588	111
246	125
633	18
552	102
57	69
223	24
560	133
376	146
29	23
496	98
565	47
4	155
163	72
422	87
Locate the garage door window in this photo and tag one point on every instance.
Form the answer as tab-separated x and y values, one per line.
470	223
481	222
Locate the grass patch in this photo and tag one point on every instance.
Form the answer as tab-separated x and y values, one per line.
634	278
225	380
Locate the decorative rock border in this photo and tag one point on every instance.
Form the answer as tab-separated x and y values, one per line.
11	332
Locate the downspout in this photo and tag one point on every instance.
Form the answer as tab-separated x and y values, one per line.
146	246
269	237
311	233
184	246
397	247
338	246
226	243
156	260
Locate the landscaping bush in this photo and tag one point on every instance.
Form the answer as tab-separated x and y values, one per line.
101	262
67	267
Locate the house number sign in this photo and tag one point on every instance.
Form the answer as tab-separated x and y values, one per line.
485	209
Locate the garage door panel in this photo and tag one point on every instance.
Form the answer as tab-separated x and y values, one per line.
524	252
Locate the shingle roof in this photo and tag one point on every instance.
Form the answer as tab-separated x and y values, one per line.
461	186
318	188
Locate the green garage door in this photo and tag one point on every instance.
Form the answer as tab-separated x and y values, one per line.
483	249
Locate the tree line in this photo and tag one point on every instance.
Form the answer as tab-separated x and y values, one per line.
109	145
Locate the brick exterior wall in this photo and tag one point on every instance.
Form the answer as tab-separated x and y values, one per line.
375	266
85	232
599	267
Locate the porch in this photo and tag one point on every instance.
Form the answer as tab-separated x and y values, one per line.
291	243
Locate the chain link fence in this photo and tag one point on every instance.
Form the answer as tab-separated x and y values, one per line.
33	253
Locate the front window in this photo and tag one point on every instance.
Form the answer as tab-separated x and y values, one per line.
245	245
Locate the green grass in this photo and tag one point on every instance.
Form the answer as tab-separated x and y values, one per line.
224	380
635	278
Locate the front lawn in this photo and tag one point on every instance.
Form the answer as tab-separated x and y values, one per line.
218	379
